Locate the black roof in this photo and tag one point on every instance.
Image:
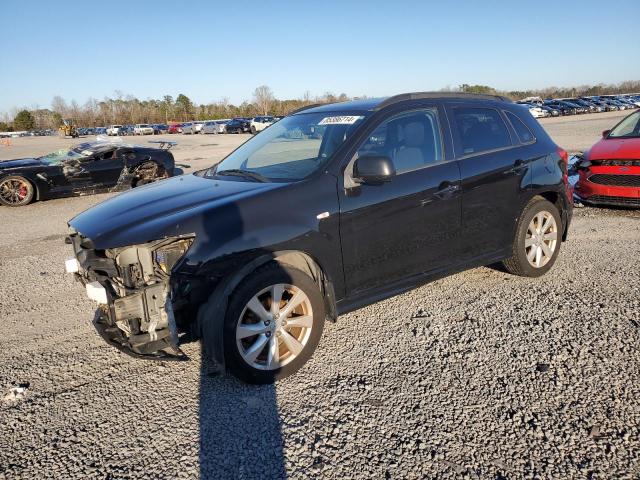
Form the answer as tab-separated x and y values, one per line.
372	104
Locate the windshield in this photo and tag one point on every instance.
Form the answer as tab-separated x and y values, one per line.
627	128
56	158
292	148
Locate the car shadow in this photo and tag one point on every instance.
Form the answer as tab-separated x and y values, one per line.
240	429
240	426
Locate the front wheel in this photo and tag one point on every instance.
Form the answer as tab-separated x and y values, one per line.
537	241
273	324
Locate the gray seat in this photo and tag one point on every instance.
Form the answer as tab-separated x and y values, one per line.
414	151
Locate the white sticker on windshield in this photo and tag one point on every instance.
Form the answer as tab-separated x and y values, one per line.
86	153
342	120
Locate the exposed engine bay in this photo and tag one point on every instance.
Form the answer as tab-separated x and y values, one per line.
133	288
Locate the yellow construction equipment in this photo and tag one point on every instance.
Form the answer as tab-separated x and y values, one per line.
68	129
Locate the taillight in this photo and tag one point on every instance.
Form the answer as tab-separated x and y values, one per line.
565	171
565	157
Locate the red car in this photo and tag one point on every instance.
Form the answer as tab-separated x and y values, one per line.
175	128
610	171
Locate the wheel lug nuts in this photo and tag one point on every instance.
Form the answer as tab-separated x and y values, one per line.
268	334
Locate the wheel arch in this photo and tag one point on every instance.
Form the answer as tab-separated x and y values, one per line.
209	325
559	201
34	183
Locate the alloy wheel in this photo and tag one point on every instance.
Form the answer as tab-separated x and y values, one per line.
541	239
14	191
274	326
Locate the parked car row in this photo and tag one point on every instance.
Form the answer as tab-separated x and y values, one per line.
224	125
29	133
137	129
554	107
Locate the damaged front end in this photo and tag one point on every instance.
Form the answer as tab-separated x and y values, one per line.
133	288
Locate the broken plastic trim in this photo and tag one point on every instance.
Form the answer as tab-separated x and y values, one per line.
115	337
138	317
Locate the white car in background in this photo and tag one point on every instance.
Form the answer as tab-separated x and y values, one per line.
142	129
538	112
197	126
260	123
113	130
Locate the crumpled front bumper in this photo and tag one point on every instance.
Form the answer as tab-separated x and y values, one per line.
160	349
137	321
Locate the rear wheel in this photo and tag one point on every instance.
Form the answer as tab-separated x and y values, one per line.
537	242
273	324
148	173
16	191
253	130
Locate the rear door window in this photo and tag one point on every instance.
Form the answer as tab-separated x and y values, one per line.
481	129
523	132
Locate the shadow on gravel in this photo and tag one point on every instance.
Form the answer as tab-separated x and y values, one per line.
240	435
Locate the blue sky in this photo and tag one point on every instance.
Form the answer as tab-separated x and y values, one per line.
209	50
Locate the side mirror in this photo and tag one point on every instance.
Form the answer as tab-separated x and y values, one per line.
373	169
605	133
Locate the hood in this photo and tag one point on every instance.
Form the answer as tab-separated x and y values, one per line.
615	148
167	208
19	163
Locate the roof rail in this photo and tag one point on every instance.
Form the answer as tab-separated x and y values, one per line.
421	95
306	107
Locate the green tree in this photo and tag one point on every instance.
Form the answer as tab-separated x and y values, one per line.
4	127
477	89
184	105
24	121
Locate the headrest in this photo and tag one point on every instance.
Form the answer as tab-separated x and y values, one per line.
414	134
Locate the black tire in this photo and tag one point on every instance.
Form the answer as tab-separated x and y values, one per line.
253	130
10	182
518	264
149	172
262	278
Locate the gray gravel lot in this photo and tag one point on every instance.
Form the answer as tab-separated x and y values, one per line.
479	375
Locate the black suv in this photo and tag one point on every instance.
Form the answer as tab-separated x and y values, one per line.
292	228
238	125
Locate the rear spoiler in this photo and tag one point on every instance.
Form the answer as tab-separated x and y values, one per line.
164	144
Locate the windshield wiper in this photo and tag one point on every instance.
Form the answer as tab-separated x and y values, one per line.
237	172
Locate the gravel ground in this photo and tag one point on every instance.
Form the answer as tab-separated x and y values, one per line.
479	375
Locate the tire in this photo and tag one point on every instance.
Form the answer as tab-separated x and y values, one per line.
158	173
253	130
522	261
271	331
16	191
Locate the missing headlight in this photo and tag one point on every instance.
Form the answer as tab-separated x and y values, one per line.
168	255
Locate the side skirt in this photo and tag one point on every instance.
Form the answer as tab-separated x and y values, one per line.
368	297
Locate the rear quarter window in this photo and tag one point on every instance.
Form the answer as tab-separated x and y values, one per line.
523	132
481	129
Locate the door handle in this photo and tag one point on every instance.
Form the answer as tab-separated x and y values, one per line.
446	189
518	166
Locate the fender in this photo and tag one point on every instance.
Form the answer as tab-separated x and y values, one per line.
209	326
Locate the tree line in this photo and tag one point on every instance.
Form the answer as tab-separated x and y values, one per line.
127	109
